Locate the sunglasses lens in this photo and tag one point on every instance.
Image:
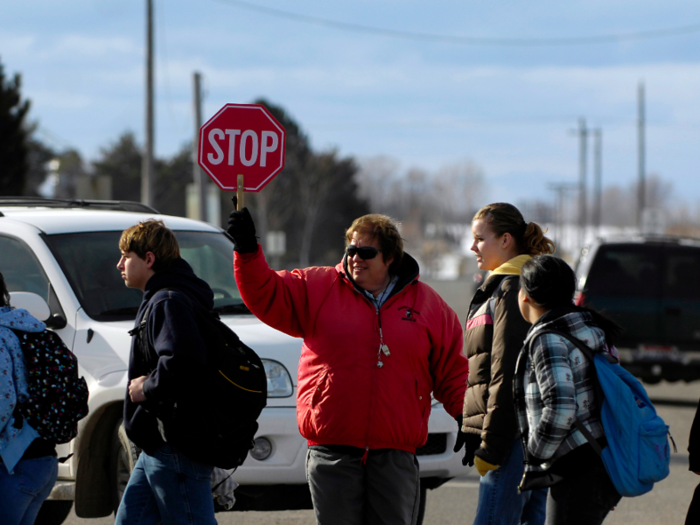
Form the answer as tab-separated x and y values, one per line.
365	252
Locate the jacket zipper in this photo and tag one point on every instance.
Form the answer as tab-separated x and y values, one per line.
379	364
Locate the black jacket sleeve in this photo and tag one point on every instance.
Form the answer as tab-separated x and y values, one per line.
694	443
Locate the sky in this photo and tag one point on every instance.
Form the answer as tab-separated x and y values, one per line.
427	83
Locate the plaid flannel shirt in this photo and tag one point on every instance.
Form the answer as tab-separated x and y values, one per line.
554	385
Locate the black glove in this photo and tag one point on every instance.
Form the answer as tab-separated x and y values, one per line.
470	442
242	229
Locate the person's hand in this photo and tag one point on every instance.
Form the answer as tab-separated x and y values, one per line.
483	466
471	443
460	435
242	229
136	389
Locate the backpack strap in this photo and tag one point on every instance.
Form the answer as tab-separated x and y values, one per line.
141	331
600	396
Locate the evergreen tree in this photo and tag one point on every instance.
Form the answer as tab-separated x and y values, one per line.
172	179
122	161
13	136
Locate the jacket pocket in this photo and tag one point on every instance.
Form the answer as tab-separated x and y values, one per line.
654	451
423	400
320	388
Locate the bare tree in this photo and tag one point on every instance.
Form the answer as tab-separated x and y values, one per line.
619	205
458	190
658	191
375	179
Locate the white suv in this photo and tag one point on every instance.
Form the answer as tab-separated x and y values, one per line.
64	253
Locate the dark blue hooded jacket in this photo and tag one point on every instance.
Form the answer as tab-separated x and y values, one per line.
177	353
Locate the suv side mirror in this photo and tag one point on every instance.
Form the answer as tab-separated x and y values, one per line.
33	303
56	322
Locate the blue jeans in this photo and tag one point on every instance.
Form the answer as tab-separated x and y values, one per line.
23	491
499	501
170	488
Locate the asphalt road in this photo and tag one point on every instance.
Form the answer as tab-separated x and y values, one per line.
455	502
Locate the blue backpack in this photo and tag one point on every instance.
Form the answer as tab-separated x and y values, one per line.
638	454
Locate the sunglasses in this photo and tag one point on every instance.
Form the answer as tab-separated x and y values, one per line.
365	252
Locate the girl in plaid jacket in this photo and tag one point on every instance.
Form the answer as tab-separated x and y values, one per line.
553	387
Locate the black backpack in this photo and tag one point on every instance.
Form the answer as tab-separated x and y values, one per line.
58	396
235	393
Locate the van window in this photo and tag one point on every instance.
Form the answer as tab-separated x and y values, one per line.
626	271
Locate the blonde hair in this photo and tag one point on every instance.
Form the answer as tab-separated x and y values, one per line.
506	218
383	229
151	236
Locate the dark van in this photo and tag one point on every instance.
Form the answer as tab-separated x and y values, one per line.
651	286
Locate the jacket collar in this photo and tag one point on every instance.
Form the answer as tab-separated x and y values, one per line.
512	266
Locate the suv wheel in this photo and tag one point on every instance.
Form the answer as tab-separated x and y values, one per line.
123	458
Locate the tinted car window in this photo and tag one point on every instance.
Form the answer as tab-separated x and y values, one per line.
682	277
626	271
89	261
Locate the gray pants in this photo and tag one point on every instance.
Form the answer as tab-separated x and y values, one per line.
383	491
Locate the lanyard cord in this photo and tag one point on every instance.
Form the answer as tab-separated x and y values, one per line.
382	347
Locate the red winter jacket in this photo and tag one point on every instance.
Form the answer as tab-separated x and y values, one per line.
343	397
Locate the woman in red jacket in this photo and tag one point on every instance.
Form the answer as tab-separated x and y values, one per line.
377	343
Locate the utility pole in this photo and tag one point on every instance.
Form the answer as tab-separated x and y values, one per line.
147	174
641	155
597	177
199	179
582	133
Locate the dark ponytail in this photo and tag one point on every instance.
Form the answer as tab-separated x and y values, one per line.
551	283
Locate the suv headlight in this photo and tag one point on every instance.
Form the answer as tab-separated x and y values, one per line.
279	382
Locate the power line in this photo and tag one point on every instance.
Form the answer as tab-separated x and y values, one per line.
466	40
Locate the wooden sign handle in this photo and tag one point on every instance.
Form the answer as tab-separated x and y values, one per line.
239	192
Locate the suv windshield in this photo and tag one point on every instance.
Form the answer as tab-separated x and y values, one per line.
89	260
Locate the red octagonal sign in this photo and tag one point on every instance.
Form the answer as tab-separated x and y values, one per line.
242	139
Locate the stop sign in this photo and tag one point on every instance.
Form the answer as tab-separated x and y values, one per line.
242	139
